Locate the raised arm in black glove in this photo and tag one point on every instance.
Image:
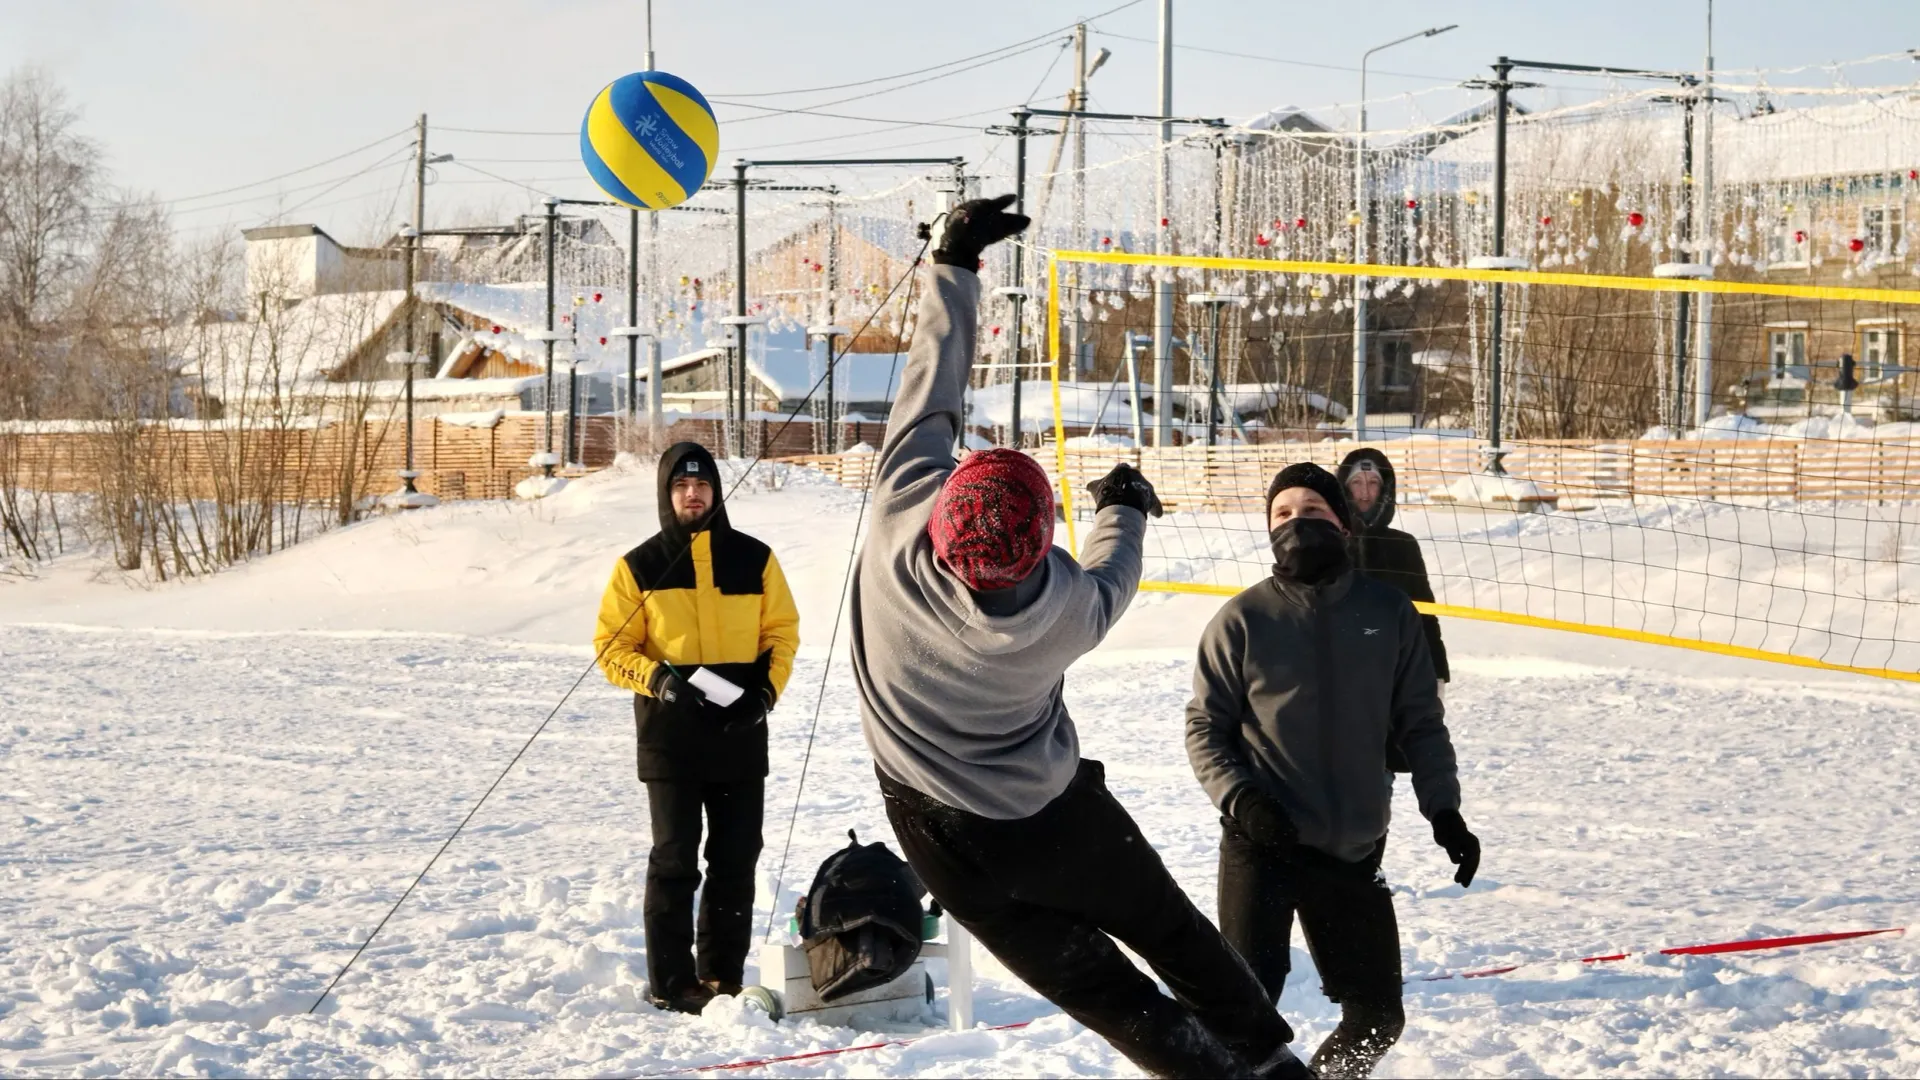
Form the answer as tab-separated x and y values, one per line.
1462	847
1265	822
972	226
1125	486
754	705
666	685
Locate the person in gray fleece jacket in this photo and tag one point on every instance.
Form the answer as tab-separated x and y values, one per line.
1303	682
965	619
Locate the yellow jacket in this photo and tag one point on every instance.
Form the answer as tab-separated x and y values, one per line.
725	614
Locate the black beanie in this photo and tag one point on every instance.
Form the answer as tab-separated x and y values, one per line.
1317	480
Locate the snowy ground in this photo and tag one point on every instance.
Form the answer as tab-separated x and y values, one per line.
213	791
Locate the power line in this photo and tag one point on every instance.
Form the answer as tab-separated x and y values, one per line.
1281	60
811	110
385	159
284	175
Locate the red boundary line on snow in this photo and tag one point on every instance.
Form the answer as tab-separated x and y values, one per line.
1747	945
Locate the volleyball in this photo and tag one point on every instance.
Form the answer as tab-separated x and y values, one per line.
649	140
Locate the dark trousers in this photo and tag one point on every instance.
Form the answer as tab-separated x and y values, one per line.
725	928
1049	894
1347	916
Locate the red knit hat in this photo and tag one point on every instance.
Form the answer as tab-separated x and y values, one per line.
992	522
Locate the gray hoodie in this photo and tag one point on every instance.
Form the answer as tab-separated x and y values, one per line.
1297	692
958	704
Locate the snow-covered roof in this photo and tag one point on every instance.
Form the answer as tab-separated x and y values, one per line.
1880	135
286	348
792	373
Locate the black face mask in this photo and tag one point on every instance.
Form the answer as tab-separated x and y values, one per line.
1311	551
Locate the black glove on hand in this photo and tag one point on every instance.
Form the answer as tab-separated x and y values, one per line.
1125	486
667	686
1265	822
757	702
1462	847
972	226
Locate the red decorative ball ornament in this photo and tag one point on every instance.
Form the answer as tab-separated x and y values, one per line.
1636	219
1856	244
603	341
596	299
996	331
1106	241
1413	204
1913	174
1546	219
1299	223
1799	236
1164	223
496	329
1262	240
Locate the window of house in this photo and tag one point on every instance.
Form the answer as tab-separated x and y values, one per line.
1879	350
1881	227
1787	243
1786	349
1393	363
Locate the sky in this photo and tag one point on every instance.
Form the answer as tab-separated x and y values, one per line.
192	98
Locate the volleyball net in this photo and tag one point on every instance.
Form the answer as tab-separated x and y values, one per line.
1730	466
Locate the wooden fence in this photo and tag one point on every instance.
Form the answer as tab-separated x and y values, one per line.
1235	478
462	461
311	464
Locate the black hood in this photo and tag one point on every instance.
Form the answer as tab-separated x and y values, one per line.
697	460
1381	516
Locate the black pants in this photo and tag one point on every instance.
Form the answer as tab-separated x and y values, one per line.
733	812
1347	916
1044	893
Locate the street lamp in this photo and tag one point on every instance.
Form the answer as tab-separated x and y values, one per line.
1362	229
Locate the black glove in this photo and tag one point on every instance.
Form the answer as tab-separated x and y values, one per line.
667	686
754	705
1265	822
972	226
1462	847
1125	486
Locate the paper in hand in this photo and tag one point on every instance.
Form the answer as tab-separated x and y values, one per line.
718	690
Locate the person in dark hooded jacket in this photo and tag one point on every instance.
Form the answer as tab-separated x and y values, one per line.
1302	684
699	594
1382	552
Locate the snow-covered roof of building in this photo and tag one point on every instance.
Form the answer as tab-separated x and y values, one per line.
791	374
1880	135
287	348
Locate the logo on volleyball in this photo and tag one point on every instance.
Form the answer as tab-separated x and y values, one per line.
649	140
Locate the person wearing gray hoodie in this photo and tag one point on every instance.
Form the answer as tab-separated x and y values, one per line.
1303	685
965	619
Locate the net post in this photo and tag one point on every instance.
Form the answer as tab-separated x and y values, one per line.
1059	426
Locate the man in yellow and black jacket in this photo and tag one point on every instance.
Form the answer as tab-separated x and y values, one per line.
699	595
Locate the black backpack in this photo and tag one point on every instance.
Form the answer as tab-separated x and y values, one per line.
860	920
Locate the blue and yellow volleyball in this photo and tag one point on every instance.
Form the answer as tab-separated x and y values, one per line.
649	140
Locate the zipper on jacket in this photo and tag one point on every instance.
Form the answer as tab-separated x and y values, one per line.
1329	715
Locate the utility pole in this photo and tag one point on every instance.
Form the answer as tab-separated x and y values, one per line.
633	312
736	369
1363	234
1502	73
407	305
1163	282
1705	243
1682	323
654	417
1082	72
1017	293
553	215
